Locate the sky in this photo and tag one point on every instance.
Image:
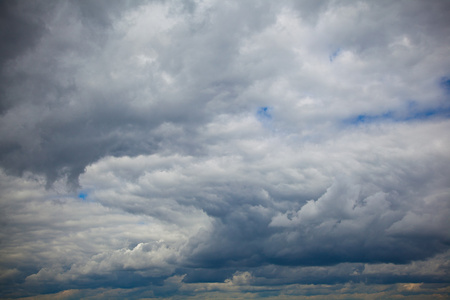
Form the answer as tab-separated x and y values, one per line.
224	149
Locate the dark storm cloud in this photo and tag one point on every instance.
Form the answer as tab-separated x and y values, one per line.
85	90
355	220
73	99
203	149
21	27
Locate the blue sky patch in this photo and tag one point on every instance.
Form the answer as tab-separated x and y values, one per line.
363	118
334	54
264	112
82	195
411	114
445	83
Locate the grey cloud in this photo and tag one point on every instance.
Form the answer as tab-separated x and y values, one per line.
358	218
223	147
84	90
54	242
82	101
159	230
22	26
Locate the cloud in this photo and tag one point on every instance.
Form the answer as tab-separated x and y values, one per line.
72	101
172	212
165	149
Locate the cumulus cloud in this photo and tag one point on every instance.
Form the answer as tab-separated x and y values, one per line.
202	149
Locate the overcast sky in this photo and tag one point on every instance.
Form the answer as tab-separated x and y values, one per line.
246	149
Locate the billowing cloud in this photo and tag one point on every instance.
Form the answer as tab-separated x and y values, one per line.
203	149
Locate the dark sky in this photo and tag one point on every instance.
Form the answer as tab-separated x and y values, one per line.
228	149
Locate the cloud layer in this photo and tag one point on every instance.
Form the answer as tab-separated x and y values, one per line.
202	149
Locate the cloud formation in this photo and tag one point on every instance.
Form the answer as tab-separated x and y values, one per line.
202	149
